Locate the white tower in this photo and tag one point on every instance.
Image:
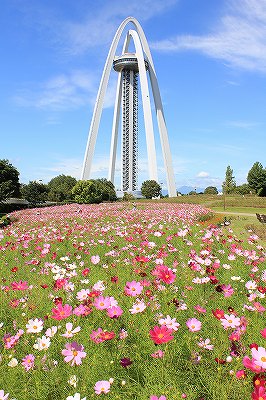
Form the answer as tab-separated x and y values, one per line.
129	66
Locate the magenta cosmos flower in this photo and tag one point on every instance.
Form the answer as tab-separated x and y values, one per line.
133	288
74	353
102	387
20	285
193	324
157	398
161	334
61	312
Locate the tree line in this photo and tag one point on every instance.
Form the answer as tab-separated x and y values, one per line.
65	188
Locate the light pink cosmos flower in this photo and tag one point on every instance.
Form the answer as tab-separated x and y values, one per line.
74	353
205	344
193	324
157	398
259	356
102	387
169	322
28	362
230	321
70	332
133	288
83	294
137	307
95	259
3	396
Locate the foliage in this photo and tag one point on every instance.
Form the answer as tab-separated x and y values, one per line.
9	180
243	189
5	221
35	192
150	189
211	190
94	191
60	188
229	183
257	177
128	197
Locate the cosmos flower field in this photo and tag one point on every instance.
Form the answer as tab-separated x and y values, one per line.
107	301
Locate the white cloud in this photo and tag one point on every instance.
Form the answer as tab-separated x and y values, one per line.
239	38
203	174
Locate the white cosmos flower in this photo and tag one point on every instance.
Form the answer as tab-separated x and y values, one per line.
42	343
34	325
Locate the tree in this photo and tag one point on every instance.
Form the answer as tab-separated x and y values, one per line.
150	189
106	188
9	180
243	189
211	190
35	192
94	191
60	188
229	184
257	177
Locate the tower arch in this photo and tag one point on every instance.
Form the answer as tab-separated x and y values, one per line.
143	56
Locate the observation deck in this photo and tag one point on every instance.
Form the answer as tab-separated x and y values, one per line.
127	61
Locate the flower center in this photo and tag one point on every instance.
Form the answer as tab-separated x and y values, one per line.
263	359
75	353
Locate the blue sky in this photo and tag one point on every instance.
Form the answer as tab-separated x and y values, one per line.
210	60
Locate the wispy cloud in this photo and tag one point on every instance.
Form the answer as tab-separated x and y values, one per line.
97	28
65	91
239	38
242	124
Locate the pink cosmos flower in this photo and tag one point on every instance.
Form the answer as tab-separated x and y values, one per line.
74	353
164	273
193	324
200	309
158	354
133	288
20	285
96	336
263	333
61	312
114	312
259	393
161	334
157	398
101	302
250	364
240	374
259	307
28	362
102	387
230	321
227	290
